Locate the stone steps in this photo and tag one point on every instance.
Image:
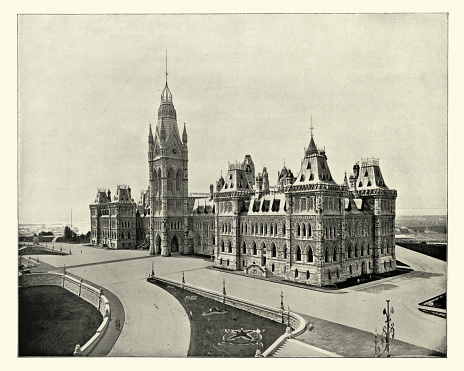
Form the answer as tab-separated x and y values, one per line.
292	348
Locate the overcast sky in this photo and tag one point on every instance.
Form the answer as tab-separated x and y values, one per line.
89	86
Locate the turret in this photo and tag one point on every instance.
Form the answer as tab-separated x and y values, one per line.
109	195
211	190
259	185
356	170
265	181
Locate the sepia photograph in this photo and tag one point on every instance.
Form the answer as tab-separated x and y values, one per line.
267	185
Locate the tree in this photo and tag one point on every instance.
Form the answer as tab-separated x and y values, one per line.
68	233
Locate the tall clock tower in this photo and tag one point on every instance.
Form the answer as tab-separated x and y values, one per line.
168	174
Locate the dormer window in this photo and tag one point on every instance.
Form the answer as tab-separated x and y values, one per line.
365	174
369	183
360	184
309	165
302	178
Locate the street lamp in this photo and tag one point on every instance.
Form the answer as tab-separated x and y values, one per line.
388	332
282	300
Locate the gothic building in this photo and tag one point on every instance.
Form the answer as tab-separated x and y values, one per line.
306	228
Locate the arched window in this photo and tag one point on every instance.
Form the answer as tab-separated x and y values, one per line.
296	273
229	247
265	228
310	255
385	265
298	253
303	232
307	275
170	180
261	229
178	179
272	229
356	250
309	230
254	248
285	251
368	249
246	228
274	251
128	235
335	254
272	267
362	249
351	269
283	229
212	239
222	246
244	248
252	228
122	235
327	255
298	230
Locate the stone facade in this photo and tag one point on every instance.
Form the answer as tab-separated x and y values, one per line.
307	228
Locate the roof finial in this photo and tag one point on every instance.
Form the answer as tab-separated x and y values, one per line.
311	126
166	67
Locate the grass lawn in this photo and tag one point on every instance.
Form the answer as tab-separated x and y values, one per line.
219	334
52	321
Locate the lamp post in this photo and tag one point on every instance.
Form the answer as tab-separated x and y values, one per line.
288	330
183	278
152	270
388	332
282	300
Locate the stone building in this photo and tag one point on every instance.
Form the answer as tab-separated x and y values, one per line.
306	228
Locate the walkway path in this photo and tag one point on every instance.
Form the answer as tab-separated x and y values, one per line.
155	320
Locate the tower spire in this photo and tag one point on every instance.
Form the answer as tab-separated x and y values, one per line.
311	126
166	67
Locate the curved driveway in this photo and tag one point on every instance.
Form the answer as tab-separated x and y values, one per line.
157	325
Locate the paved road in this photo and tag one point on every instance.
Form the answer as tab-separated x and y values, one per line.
360	307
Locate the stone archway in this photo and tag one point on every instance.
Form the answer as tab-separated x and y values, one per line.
364	268
157	244
174	245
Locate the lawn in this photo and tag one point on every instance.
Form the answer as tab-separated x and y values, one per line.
52	321
219	330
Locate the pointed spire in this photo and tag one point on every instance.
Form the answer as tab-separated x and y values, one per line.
150	136
162	131
166	68
311	126
345	181
184	135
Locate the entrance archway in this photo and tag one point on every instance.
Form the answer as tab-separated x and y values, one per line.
174	245
363	268
157	243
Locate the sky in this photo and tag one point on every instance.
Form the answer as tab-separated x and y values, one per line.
375	85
